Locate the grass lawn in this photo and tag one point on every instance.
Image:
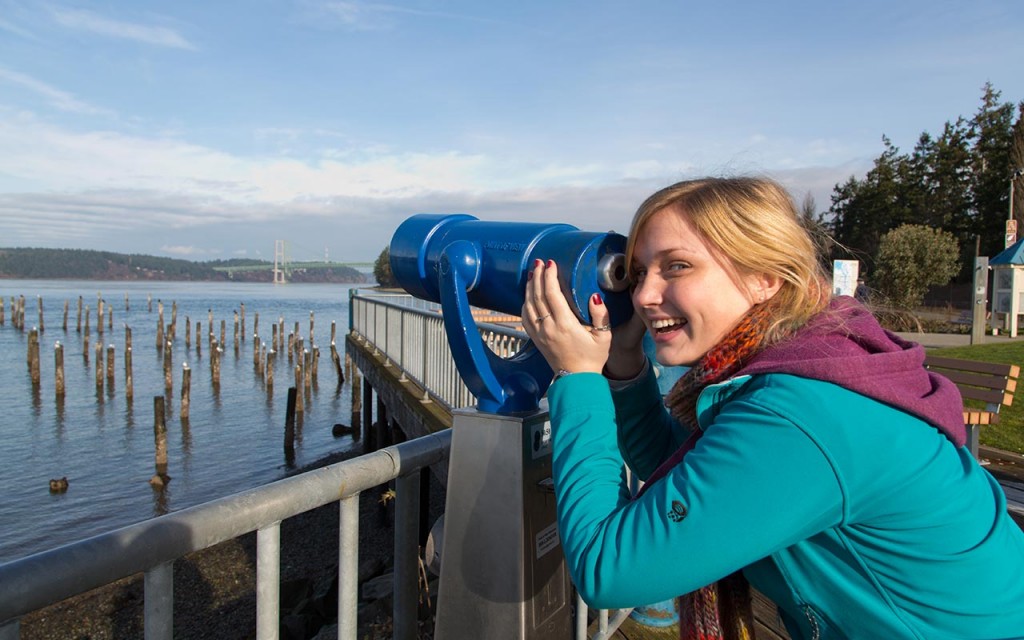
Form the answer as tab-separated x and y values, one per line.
1008	433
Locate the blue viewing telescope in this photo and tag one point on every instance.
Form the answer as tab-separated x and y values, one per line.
461	261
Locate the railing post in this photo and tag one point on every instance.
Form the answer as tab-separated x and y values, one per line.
406	587
268	582
348	568
158	610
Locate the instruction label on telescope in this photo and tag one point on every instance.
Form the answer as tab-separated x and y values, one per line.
547	539
540	440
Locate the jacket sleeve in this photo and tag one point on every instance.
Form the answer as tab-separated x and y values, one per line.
647	434
754	484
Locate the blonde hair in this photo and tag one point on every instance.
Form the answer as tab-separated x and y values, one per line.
754	223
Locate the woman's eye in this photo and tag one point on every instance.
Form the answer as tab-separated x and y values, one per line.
677	266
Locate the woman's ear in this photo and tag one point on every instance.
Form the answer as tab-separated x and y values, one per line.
763	286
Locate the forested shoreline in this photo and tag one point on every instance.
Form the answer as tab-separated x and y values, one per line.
85	264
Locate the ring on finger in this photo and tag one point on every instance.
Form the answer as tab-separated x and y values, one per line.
540	319
604	327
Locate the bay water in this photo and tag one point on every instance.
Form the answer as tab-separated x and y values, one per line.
103	442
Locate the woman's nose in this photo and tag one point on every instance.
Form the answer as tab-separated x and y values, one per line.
647	293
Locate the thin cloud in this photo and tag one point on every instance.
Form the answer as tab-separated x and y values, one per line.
368	16
60	99
93	23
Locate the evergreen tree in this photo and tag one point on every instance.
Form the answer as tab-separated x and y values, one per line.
992	137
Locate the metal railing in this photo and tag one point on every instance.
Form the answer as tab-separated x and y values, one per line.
151	547
410	334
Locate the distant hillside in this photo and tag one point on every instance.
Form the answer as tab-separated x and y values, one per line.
83	264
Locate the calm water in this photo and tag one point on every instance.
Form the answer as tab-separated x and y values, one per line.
103	442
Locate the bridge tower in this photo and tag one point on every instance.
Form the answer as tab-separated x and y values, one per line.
280	262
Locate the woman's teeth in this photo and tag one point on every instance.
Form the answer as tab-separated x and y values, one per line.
667	324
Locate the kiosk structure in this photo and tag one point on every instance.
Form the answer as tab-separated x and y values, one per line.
1008	286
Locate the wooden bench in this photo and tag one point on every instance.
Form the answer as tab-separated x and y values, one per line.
982	382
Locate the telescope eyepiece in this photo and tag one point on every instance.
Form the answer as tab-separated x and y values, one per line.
611	272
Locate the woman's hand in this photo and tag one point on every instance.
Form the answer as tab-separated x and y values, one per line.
626	357
564	341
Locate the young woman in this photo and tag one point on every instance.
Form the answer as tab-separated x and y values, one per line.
807	452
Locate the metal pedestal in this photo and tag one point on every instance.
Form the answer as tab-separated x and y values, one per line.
502	570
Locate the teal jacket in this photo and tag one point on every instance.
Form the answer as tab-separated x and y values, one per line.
857	519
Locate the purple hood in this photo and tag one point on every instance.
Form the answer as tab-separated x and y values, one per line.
845	345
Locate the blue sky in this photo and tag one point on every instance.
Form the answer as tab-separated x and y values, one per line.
206	129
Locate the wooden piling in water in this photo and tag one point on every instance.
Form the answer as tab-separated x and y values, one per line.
186	390
256	350
199	337
215	352
188	332
110	365
58	369
129	384
298	385
42	327
336	359
174	320
100	310
236	330
316	365
149	302
110	317
85	347
87	320
78	327
2	313
223	330
160	440
263	358
273	337
209	327
66	304
33	357
242	321
291	346
127	305
99	365
307	359
160	326
294	406
168	381
279	347
268	377
310	328
334	331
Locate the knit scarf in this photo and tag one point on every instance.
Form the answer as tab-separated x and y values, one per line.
722	610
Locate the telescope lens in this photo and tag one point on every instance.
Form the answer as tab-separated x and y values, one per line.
611	272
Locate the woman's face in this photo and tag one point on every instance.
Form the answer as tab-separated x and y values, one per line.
688	294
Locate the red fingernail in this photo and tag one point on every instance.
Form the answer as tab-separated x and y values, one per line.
537	263
597	299
551	263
